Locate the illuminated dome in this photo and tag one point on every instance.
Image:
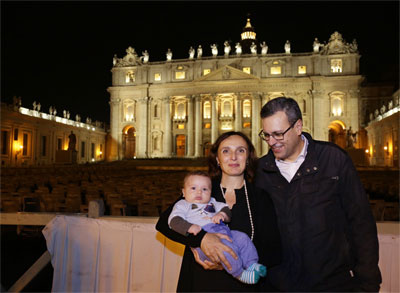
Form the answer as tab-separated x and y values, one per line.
248	32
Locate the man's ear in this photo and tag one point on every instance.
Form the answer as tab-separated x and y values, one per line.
299	126
183	192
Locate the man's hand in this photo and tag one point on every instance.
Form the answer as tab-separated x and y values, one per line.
214	249
194	229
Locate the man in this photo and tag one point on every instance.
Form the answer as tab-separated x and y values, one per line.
329	237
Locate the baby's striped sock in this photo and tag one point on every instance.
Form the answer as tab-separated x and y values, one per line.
249	277
262	270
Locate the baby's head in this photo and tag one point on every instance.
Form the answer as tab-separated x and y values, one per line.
197	187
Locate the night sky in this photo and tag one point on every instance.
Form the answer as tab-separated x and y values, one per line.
60	53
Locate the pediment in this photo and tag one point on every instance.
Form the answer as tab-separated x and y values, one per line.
227	73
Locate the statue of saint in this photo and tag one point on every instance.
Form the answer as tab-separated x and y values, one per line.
316	45
191	52
145	56
287	47
72	141
65	113
169	55
227	48
34	105
38	106
264	48
238	49
214	50
115	59
351	138
353	46
199	52
253	48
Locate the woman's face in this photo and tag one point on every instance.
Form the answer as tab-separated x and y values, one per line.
232	156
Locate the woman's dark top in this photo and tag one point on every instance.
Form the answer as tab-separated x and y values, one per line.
193	277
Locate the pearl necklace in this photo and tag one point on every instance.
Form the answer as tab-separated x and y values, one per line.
248	207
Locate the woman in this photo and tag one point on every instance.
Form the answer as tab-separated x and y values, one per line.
232	164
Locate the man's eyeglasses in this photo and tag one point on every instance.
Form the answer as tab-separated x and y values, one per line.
275	135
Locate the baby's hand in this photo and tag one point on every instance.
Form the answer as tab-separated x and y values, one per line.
194	229
218	217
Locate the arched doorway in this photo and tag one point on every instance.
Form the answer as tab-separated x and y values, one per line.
130	143
180	145
337	133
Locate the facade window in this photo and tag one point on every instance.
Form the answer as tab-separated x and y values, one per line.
207	110
129	111
206	71
181	126
304	107
82	149
207	125
180	74
276	70
157	76
247	70
226	109
5	137
336	65
180	111
25	144
92	150
130	77
101	150
44	145
59	144
301	69
246	125
246	108
337	103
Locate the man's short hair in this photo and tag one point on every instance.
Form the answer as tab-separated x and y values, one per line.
287	105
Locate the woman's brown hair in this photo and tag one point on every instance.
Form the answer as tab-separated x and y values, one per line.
213	168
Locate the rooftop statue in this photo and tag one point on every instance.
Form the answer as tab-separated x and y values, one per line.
199	52
191	52
287	47
316	45
169	55
253	48
214	50
337	45
145	56
227	48
238	49
264	48
38	106
34	105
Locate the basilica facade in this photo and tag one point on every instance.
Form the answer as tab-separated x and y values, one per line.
177	108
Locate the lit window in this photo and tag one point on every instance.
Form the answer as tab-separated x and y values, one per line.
226	109
246	125
207	110
179	67
246	108
157	76
337	106
206	71
336	65
129	109
130	77
207	125
302	69
247	70
276	70
181	126
180	111
180	75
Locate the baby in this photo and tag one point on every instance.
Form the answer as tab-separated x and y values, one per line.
200	211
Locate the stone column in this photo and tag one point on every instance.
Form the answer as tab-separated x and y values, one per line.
255	121
214	120
167	130
264	144
116	133
198	128
353	109
141	144
238	113
321	106
190	128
